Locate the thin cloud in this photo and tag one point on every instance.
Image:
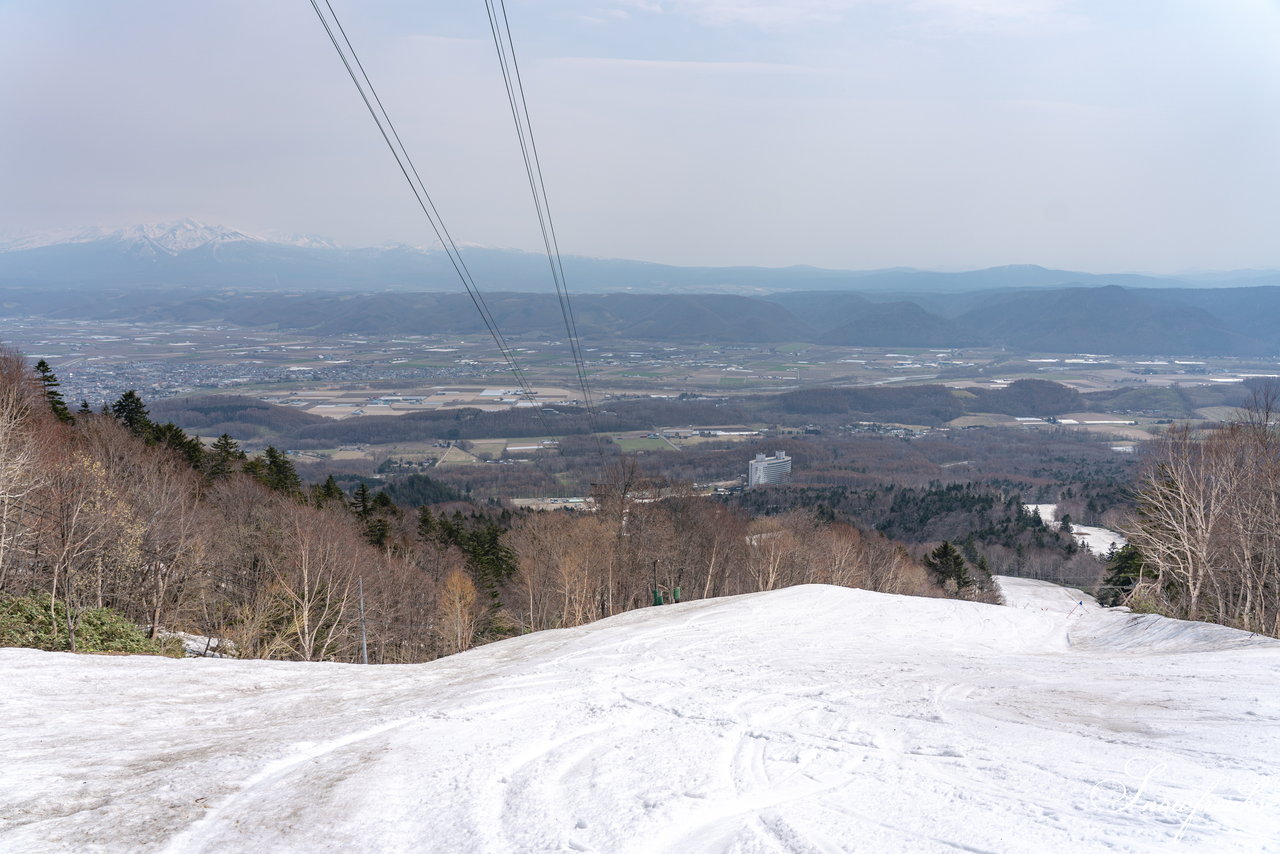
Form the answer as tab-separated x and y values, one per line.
764	14
998	16
699	66
938	17
941	15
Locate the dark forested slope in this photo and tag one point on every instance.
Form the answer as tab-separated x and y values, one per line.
1109	319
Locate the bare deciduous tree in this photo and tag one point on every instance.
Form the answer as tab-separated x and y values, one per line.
313	585
458	615
19	475
1206	522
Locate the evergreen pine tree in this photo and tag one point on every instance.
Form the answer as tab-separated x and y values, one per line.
256	468
1124	570
130	411
324	494
362	502
172	436
84	408
50	382
280	473
427	528
492	562
376	532
223	456
949	565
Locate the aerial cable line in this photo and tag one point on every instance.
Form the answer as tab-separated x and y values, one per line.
385	126
389	135
505	47
500	26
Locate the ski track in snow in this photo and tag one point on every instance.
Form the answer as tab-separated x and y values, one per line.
813	719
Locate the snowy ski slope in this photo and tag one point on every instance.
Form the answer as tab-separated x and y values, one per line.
808	719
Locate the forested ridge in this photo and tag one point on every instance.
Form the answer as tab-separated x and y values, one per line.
1066	319
252	420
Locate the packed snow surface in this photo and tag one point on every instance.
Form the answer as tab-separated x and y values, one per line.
807	719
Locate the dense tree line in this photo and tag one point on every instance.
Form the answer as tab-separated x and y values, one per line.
828	408
573	568
985	522
924	404
1028	397
933	404
243	417
417	489
1042	466
247	418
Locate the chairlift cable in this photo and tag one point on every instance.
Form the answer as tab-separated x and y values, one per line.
364	86
505	47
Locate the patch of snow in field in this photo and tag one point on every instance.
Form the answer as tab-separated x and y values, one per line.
202	646
808	719
1097	540
1048	513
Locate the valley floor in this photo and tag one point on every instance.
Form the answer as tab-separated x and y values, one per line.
807	719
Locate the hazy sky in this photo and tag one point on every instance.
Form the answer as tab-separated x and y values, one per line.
1095	135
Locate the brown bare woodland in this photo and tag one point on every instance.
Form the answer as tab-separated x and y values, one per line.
94	516
575	568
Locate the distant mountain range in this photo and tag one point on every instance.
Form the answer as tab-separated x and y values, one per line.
190	254
187	272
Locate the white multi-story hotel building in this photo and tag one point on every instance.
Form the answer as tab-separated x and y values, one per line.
775	469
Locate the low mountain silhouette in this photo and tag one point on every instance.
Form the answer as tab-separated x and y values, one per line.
191	254
1109	319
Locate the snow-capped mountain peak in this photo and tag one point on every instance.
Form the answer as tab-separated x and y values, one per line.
303	241
170	238
181	236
